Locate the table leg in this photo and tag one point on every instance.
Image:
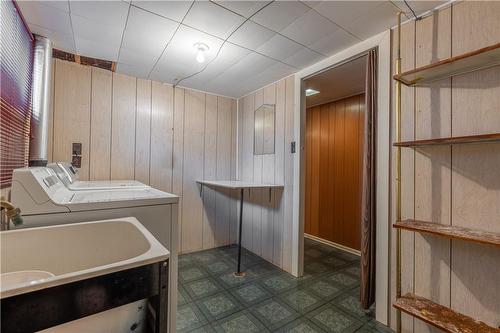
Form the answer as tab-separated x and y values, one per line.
239	272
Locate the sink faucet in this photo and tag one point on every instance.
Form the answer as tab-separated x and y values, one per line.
12	214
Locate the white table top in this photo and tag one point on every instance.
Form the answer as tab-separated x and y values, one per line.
236	184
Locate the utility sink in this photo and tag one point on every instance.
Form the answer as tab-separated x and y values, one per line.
38	258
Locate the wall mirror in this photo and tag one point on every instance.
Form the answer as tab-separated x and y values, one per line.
264	130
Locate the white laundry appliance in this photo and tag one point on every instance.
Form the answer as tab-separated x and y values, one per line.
45	200
69	177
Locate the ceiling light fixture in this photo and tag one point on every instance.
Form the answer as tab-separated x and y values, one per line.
201	48
310	92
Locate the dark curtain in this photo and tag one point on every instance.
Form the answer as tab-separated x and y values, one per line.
368	202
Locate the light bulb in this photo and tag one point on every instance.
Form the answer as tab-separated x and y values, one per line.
200	57
200	51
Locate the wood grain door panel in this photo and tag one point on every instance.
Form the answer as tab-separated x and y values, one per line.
334	144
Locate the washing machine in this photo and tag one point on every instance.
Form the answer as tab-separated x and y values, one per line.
69	177
45	200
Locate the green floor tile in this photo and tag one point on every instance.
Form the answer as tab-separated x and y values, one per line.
189	317
204	329
261	270
301	325
354	270
350	304
274	313
229	280
343	279
313	253
219	266
376	327
182	296
334	320
302	300
202	288
315	268
204	257
325	289
325	299
279	283
191	273
251	293
240	322
334	262
219	306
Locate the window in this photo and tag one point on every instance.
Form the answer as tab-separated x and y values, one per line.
16	64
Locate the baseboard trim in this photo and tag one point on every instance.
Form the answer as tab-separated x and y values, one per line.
332	244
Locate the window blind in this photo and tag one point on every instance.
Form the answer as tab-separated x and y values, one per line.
16	64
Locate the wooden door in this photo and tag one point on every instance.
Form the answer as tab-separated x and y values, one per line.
334	145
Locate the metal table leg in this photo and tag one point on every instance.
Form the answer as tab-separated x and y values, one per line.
239	273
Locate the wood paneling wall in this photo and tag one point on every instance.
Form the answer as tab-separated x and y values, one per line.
267	217
457	185
334	146
140	129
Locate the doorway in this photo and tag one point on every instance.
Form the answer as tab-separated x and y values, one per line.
334	152
382	43
335	111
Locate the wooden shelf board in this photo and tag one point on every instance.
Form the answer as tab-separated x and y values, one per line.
449	231
482	138
441	316
468	62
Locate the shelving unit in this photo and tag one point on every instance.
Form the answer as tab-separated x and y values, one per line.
440	316
483	138
449	231
419	307
464	63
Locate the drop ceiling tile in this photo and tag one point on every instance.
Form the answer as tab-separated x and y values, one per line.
147	33
304	58
212	19
379	19
95	31
111	13
280	14
334	42
175	10
132	57
229	55
251	35
171	74
418	6
343	12
91	48
279	47
60	5
254	63
59	40
220	84
242	70
309	28
272	74
312	3
244	8
45	16
136	71
162	77
247	67
218	87
181	53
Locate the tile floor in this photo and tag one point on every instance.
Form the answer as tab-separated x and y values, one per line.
267	299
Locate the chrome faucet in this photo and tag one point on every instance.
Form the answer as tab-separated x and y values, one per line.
11	213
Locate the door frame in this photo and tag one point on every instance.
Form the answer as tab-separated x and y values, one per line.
382	42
